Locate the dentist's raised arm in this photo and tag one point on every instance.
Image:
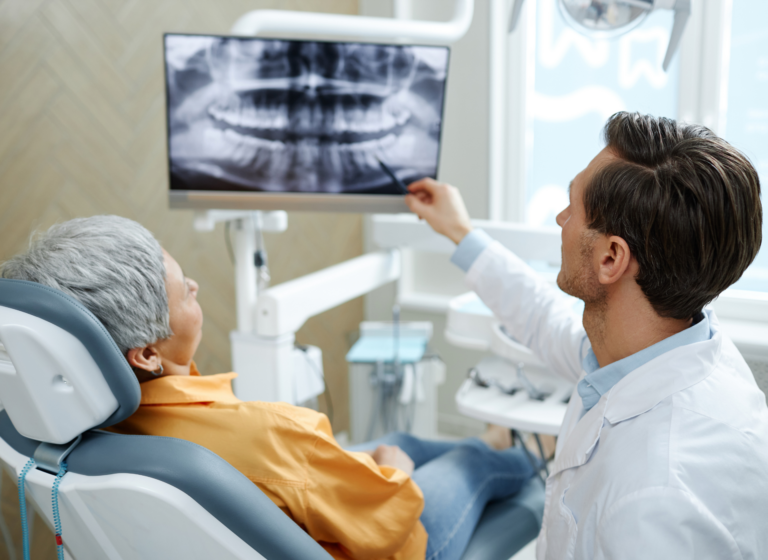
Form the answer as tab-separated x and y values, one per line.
533	311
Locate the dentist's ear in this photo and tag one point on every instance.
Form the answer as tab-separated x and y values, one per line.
614	259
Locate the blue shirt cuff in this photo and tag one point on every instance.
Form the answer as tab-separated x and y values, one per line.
470	248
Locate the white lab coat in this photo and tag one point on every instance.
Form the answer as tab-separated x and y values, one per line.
671	463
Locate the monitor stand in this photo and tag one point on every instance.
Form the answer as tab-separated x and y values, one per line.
270	366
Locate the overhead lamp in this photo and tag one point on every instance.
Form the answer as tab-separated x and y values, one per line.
611	18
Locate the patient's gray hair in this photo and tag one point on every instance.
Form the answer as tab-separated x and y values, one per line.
112	265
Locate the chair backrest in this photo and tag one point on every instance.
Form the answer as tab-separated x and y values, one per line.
61	374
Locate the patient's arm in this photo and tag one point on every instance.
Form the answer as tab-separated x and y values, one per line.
372	510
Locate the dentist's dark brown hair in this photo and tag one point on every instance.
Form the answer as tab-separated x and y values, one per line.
686	202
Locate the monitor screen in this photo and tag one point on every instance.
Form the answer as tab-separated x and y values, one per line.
284	117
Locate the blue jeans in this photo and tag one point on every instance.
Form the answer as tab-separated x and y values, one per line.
457	478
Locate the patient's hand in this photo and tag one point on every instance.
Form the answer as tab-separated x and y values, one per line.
392	456
441	206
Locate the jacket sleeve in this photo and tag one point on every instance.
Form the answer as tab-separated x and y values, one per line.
370	510
663	524
535	313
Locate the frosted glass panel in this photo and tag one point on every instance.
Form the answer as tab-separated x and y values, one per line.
747	116
580	82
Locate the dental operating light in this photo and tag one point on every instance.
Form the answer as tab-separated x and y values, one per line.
611	18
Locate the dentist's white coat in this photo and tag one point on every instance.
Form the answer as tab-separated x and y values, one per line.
671	463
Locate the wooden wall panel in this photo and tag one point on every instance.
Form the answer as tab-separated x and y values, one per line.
83	133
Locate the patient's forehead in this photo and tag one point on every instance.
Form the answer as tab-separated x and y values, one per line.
173	272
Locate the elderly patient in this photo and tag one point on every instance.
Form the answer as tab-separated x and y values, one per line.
400	498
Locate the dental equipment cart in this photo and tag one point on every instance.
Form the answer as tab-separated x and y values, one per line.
393	381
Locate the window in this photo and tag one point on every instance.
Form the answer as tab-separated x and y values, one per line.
746	124
578	83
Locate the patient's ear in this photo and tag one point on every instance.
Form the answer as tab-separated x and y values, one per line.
146	358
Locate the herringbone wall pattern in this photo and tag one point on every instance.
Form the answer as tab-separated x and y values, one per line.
82	132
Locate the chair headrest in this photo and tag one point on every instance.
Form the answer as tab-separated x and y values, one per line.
61	373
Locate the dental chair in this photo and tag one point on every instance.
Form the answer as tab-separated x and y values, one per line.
62	378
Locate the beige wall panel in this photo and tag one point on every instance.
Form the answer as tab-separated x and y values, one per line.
82	132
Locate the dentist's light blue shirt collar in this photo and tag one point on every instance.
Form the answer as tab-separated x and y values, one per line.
599	381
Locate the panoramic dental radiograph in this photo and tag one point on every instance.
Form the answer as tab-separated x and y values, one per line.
300	116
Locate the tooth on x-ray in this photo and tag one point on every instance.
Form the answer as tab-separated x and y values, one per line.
301	116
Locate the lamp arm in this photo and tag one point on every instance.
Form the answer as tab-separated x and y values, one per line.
307	23
682	13
514	16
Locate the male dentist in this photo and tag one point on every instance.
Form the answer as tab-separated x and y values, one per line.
663	453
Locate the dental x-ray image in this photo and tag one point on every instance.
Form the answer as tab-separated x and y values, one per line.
301	116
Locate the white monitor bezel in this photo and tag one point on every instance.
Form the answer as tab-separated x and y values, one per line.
291	201
301	202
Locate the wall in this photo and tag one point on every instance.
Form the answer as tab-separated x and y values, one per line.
82	115
82	132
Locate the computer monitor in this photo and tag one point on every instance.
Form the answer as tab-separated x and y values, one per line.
279	124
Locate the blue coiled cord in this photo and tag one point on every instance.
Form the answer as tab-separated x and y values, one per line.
55	502
23	507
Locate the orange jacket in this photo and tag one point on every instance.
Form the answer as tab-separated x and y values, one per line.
350	505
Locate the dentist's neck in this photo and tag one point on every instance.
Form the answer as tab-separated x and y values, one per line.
625	323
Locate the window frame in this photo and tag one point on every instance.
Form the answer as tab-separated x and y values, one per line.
702	98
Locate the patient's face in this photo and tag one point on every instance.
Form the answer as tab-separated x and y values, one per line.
186	317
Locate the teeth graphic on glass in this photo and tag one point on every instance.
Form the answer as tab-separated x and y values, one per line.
298	116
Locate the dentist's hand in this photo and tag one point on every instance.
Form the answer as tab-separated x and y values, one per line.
441	206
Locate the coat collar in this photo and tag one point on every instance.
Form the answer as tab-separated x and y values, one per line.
664	376
637	393
581	440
